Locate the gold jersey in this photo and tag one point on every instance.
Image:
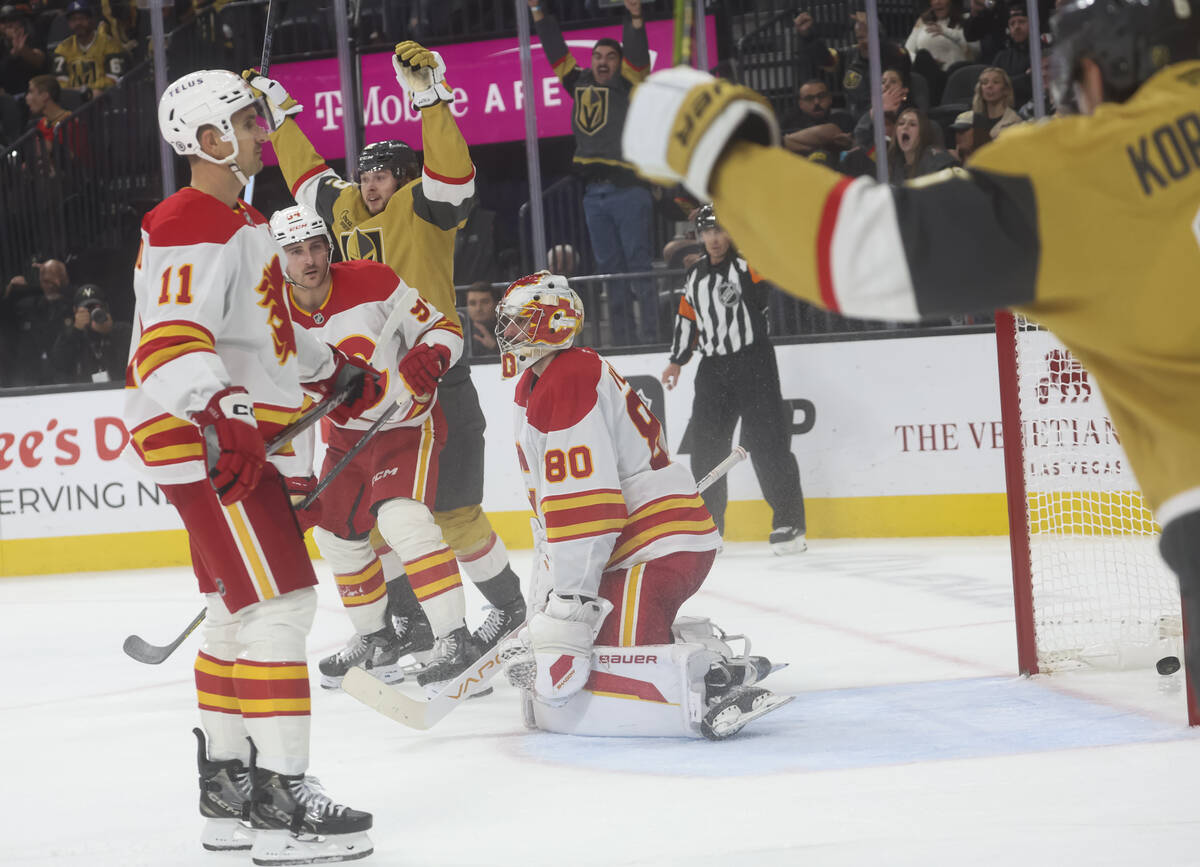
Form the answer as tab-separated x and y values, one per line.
414	233
96	66
1087	225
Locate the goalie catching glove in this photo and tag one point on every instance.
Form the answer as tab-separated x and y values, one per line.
357	378
421	74
275	95
234	450
681	120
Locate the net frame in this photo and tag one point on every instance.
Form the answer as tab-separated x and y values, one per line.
1089	586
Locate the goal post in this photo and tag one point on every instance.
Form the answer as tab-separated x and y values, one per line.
1090	588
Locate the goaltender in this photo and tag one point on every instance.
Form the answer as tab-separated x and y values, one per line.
1044	218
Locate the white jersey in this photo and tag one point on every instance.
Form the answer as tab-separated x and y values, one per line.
599	475
211	313
363	297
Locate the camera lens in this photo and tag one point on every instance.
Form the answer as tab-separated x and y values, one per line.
99	315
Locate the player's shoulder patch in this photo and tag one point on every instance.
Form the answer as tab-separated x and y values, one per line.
192	217
566	392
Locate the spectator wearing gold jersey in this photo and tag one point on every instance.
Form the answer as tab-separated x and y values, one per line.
91	59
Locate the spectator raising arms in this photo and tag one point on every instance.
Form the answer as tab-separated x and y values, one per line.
911	152
993	104
93	348
91	59
617	204
939	31
20	57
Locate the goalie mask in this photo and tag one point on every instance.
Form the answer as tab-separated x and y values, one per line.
538	314
209	97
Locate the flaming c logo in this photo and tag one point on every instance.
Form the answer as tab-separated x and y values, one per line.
270	290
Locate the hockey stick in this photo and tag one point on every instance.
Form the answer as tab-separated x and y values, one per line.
264	67
142	650
425	713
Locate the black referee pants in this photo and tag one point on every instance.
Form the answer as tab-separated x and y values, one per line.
745	385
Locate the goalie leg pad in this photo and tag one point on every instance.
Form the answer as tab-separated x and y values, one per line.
360	579
654	690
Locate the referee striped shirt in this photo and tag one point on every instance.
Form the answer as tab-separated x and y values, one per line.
722	311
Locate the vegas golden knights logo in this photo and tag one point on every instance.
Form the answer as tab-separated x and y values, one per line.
360	244
591	109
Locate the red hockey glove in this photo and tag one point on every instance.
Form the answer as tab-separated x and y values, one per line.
363	382
234	449
423	366
299	487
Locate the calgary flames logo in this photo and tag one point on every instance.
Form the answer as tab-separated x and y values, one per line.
270	290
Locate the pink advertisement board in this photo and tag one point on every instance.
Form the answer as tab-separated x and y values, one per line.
486	77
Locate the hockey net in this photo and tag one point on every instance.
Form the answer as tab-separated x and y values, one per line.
1091	588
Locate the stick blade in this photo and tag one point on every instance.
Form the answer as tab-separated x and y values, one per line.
138	648
390	702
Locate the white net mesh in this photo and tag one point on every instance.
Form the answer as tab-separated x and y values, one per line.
1102	595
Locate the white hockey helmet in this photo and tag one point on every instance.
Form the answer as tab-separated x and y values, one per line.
298	223
538	314
207	97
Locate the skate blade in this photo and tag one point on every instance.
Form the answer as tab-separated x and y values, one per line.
383	673
283	847
783	549
733	720
226	835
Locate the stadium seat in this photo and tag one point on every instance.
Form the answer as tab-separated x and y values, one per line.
960	86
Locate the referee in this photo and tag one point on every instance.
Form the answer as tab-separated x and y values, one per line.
722	314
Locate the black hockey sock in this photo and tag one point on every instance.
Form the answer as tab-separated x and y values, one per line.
502	590
402	602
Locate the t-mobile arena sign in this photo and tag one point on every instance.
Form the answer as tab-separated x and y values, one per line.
486	77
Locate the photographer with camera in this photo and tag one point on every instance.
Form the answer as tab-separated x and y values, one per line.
32	320
93	348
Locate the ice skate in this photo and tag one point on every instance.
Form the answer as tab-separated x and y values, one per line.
499	623
378	653
296	822
733	709
787	540
453	654
738	671
224	801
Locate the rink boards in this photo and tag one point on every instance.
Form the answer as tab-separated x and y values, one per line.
894	437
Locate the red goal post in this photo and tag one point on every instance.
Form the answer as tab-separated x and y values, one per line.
1090	588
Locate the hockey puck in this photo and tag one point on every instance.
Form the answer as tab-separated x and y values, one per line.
1167	665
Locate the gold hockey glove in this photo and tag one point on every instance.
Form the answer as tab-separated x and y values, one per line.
275	95
681	120
421	74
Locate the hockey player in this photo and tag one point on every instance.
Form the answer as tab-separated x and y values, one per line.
1130	162
362	308
215	370
407	216
625	539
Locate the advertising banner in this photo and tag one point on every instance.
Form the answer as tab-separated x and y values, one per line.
870	418
485	76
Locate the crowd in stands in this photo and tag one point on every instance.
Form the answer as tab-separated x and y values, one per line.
955	81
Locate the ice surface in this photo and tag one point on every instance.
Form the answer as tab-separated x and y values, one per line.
911	742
